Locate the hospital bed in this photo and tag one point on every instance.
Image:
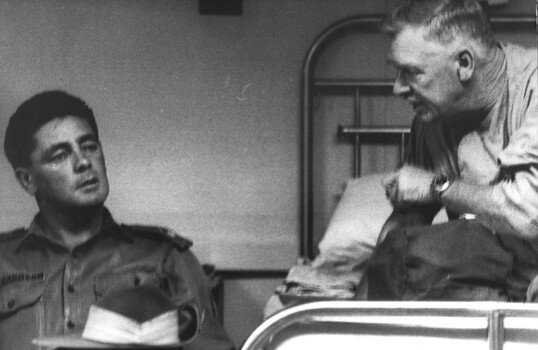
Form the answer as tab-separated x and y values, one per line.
380	325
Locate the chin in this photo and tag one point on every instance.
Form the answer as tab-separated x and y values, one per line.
93	198
93	202
426	116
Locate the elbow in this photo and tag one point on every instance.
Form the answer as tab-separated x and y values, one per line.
517	217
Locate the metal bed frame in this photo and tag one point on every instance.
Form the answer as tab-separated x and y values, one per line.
309	84
366	23
403	325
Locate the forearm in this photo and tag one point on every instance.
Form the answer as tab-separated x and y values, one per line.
489	204
509	206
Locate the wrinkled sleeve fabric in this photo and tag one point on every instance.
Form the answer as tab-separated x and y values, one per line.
433	146
518	191
189	284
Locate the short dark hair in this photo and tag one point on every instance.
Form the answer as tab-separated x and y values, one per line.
443	20
33	114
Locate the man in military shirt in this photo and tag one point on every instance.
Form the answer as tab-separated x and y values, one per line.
73	252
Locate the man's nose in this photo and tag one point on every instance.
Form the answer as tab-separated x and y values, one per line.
82	161
401	87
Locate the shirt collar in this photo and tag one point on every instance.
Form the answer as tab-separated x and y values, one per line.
35	232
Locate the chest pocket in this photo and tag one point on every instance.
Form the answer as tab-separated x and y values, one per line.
128	278
19	295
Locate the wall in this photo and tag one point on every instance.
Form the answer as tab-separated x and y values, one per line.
199	117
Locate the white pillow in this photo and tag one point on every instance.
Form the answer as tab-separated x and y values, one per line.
347	244
354	228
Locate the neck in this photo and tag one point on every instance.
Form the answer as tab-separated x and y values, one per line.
71	226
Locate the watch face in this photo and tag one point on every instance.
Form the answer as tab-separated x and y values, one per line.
441	182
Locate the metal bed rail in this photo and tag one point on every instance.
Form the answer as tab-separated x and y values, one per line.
403	325
357	131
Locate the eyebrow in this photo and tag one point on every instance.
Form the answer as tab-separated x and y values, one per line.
87	137
392	62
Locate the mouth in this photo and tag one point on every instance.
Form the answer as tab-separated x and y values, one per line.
88	183
419	107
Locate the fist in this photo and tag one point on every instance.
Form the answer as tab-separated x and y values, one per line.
409	186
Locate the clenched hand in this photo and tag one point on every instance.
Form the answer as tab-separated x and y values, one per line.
409	186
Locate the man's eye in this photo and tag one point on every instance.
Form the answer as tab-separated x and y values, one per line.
90	147
411	71
59	157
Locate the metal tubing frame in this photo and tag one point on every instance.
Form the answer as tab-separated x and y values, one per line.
365	22
355	312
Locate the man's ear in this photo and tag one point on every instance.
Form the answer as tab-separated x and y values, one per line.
26	180
465	65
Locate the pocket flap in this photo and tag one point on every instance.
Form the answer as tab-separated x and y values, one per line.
18	295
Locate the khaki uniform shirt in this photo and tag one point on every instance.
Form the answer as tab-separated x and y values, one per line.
46	290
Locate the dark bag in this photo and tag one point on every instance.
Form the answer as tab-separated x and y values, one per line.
460	260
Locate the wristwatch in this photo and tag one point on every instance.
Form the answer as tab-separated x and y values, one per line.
440	183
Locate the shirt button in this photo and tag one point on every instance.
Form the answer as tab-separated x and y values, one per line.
70	324
70	288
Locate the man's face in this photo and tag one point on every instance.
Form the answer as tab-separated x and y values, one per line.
67	166
426	74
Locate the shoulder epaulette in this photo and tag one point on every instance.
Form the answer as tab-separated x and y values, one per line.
11	235
169	235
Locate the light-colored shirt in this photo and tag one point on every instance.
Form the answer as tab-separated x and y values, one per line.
502	153
504	150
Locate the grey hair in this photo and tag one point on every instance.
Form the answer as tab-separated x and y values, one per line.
444	20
